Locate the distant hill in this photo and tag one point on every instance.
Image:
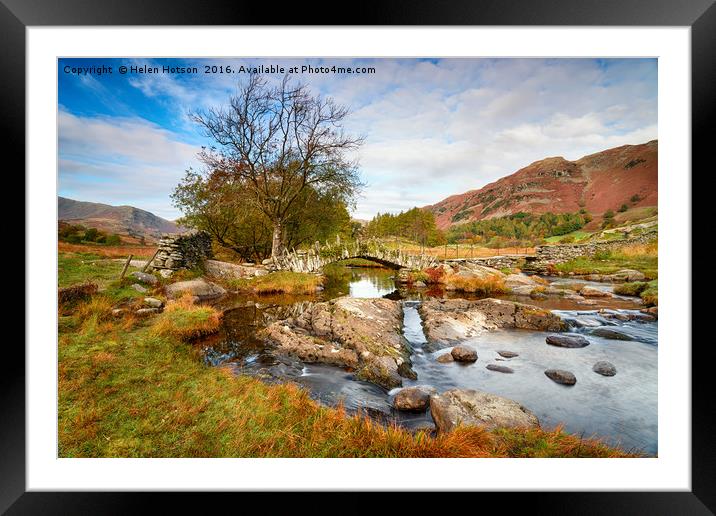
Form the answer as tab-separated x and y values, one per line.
127	221
598	182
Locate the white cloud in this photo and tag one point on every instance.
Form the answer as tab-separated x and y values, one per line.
433	128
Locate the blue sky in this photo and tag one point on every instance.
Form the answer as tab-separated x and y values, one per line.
433	127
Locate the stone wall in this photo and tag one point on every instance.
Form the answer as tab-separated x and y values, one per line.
182	251
551	254
496	262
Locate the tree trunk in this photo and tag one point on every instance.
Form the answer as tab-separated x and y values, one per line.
277	245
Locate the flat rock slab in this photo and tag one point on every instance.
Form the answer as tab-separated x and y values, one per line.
508	354
594	292
500	368
604	368
567	341
477	408
199	287
447	321
561	376
609	333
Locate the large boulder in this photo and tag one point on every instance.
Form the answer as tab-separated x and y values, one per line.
199	288
464	354
361	334
413	399
149	279
446	321
627	275
226	270
477	408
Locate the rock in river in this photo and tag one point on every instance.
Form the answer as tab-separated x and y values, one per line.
447	321
445	358
414	399
594	292
464	354
604	368
199	287
508	354
500	368
567	341
609	333
362	334
561	376
477	408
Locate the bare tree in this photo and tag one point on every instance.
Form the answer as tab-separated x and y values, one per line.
280	140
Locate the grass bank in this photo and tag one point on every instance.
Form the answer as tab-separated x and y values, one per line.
648	291
128	388
643	258
283	282
74	268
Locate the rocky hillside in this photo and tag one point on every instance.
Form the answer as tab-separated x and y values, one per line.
598	182
127	221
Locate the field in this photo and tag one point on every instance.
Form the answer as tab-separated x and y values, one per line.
134	387
643	258
107	251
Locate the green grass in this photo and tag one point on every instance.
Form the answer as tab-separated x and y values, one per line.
278	283
642	258
578	235
75	268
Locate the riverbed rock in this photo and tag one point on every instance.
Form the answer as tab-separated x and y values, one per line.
611	333
652	310
464	354
567	341
153	302
561	376
226	270
604	368
627	275
588	291
447	321
500	368
508	354
477	408
445	358
414	399
149	279
362	334
199	287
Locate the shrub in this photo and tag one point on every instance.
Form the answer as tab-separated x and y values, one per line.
70	295
481	286
623	208
435	274
635	198
631	289
184	320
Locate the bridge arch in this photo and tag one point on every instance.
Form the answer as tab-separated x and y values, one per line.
318	256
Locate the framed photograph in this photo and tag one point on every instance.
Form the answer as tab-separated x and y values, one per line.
421	252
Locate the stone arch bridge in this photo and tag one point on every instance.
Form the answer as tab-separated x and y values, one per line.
320	255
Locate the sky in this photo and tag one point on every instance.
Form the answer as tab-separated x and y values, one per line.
432	127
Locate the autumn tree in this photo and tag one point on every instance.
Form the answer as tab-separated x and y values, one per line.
280	142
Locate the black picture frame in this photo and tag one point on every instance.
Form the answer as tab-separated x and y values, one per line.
700	15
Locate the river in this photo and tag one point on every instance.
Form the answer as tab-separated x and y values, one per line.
621	410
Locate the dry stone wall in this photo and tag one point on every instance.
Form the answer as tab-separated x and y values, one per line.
552	254
182	251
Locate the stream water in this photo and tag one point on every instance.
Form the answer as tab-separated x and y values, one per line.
621	409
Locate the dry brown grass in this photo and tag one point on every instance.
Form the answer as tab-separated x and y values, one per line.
184	320
107	251
474	285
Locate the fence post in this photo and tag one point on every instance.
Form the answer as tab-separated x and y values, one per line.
126	266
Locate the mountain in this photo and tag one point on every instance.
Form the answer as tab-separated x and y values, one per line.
127	221
597	182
